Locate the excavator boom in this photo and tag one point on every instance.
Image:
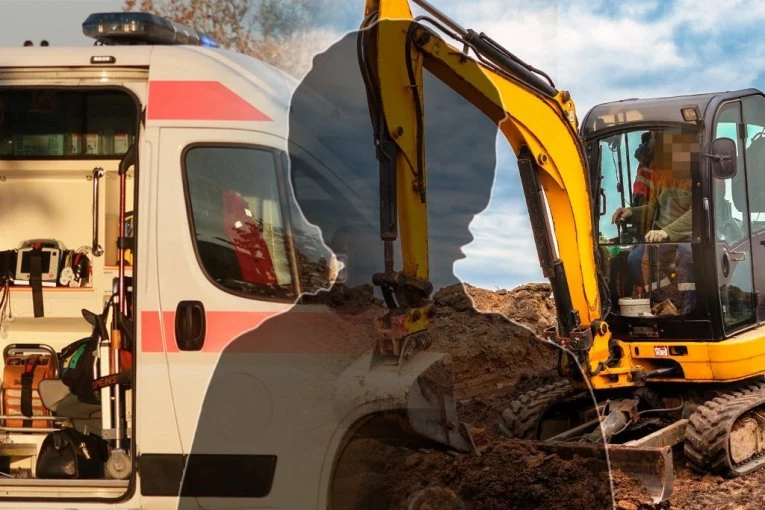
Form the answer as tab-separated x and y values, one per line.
538	121
540	124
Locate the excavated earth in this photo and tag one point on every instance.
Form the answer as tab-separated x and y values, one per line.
495	358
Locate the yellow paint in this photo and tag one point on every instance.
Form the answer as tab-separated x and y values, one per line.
547	126
725	361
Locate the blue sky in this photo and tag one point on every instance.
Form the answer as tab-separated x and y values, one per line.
599	50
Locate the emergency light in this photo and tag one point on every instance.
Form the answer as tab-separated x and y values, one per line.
110	28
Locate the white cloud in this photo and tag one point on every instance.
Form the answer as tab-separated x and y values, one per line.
600	56
584	49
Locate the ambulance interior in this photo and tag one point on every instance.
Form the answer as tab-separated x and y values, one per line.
65	154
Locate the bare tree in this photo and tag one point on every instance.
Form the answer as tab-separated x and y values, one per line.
280	32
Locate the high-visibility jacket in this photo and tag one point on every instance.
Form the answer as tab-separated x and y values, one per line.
668	207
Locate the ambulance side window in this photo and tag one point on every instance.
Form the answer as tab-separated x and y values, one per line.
236	219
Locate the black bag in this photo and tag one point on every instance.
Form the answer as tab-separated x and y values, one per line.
76	370
68	453
7	266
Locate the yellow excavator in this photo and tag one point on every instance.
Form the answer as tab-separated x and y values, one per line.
649	222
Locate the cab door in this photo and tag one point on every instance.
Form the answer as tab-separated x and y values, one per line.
733	246
754	151
223	263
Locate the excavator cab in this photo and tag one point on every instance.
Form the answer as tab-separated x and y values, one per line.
681	263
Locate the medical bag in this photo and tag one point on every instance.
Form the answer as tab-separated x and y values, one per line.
25	366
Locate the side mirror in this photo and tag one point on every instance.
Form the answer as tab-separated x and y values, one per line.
723	158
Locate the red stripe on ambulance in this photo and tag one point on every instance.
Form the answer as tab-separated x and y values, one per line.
299	333
221	329
198	100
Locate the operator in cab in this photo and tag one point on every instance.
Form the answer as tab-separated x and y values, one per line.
665	216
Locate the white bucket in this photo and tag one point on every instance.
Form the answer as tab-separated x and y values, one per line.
635	307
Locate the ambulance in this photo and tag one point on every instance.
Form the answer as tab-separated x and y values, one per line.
147	218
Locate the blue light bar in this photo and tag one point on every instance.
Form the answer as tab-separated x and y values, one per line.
141	28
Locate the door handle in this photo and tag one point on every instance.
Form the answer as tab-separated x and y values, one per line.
737	256
97	249
190	325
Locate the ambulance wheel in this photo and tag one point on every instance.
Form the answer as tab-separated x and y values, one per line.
435	498
118	465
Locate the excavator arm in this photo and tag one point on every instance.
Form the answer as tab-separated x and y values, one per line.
540	124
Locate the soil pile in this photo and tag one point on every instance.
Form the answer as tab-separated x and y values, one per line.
493	355
531	304
496	354
507	475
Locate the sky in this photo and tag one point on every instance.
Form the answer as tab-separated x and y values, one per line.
598	50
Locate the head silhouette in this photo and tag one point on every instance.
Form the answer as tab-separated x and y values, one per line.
335	174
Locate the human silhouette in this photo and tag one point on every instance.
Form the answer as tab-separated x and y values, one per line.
286	397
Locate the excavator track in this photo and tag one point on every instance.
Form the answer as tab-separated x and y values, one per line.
726	435
521	418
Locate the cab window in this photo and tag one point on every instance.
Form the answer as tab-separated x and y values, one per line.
645	229
754	119
237	219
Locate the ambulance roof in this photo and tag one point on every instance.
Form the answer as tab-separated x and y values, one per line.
255	90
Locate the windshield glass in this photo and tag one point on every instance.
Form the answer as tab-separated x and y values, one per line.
646	222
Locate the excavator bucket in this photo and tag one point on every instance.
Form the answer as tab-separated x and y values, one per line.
650	466
647	460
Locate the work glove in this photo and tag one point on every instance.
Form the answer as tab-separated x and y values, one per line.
656	236
621	213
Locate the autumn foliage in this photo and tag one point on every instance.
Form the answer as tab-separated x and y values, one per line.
279	32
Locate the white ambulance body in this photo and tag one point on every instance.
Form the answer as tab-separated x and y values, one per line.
197	112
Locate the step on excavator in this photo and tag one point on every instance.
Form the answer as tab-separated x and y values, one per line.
649	222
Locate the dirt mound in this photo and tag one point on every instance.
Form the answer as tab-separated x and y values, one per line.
494	358
496	354
531	304
345	300
508	475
